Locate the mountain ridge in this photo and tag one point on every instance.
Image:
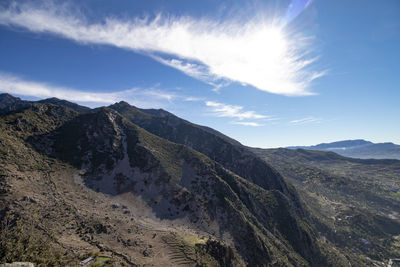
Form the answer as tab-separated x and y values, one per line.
115	157
358	148
177	130
9	103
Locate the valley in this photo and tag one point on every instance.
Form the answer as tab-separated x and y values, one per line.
357	199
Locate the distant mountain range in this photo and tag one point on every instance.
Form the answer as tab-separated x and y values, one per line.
358	149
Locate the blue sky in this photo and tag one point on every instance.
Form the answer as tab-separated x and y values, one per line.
267	73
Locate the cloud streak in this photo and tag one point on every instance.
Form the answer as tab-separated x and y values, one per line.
141	97
248	123
232	111
253	53
306	121
237	112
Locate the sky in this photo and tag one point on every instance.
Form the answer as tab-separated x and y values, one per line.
266	73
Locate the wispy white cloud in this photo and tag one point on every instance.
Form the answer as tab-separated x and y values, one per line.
253	53
197	71
306	121
136	96
232	111
192	99
248	123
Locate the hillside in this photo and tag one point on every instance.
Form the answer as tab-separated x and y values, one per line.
94	182
358	200
166	125
358	149
220	148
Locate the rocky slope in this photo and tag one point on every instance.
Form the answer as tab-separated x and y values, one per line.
76	182
222	149
51	216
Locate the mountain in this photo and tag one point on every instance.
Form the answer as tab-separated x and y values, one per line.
358	149
9	103
384	200
357	200
222	149
336	145
107	183
131	186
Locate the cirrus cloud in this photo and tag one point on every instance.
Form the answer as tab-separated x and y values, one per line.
306	120
255	53
232	111
248	123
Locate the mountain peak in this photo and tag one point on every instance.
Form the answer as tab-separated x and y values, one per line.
8	99
122	103
8	96
9	103
53	99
